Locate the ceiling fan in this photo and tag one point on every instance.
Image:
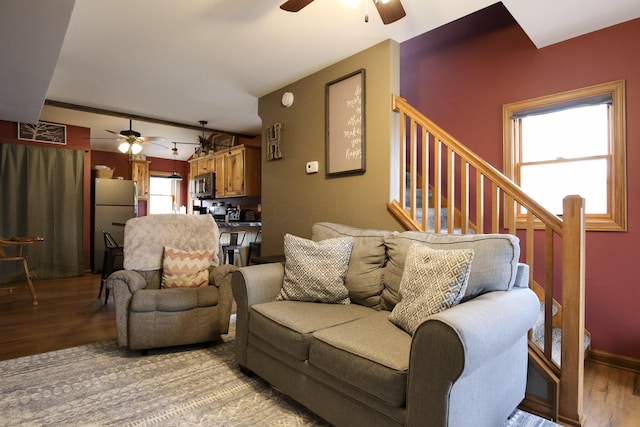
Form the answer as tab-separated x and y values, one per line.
390	10
131	141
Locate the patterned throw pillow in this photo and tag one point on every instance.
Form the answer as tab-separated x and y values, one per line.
315	271
432	281
185	269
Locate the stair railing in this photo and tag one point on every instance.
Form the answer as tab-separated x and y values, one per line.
485	200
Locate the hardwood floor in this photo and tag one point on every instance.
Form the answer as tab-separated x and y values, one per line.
611	396
69	314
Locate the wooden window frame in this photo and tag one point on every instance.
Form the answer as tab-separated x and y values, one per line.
616	217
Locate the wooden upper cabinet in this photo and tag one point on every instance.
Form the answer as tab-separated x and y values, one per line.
242	172
237	171
140	174
234	173
218	167
207	165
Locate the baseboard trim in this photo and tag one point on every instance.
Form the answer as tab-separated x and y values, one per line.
614	360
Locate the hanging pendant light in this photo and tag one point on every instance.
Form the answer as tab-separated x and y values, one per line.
174	174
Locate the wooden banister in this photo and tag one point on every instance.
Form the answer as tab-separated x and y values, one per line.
477	197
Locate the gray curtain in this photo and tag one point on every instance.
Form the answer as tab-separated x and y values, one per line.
42	194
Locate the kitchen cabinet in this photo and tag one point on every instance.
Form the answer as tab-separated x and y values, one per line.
219	162
202	165
241	171
238	171
234	173
140	174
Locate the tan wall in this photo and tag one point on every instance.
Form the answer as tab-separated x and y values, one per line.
293	200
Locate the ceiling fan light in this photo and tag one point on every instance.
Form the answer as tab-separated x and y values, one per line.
124	147
351	3
136	148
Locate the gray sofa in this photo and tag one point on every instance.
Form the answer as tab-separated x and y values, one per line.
464	366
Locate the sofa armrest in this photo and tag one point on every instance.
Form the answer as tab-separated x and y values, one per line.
133	280
253	285
460	348
123	284
220	277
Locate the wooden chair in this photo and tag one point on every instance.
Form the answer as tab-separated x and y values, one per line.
20	243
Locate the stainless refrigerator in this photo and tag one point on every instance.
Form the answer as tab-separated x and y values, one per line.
114	201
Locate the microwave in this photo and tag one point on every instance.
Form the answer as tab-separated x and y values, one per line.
204	186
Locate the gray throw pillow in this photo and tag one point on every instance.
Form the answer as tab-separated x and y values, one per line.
368	257
432	281
315	271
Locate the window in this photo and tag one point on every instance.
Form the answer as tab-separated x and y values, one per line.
163	194
571	143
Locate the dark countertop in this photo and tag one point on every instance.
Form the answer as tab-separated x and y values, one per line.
231	224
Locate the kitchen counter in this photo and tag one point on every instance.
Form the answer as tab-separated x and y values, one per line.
231	224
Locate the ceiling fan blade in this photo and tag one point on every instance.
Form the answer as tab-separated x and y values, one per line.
391	11
294	5
152	139
157	144
119	135
185	143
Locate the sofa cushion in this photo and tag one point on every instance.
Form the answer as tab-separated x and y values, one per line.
494	267
315	271
185	269
172	300
432	281
364	275
288	325
371	354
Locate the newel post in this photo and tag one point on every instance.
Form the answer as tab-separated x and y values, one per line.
573	289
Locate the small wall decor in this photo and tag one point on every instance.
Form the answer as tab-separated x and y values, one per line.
222	141
273	142
51	133
345	124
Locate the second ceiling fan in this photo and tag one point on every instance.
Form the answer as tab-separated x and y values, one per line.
390	10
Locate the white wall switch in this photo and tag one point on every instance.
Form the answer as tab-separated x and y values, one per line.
312	167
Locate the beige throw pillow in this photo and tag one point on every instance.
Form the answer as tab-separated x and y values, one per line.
432	281
315	271
185	269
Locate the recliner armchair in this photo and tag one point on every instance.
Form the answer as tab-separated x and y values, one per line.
150	317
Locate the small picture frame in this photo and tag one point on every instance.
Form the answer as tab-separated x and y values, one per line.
223	141
345	124
51	133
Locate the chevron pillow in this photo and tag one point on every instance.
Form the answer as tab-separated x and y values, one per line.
432	281
185	269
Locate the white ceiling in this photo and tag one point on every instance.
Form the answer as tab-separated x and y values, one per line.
212	59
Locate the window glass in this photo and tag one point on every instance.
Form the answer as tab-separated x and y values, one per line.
162	195
550	183
566	134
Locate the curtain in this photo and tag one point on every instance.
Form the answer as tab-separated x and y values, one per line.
42	194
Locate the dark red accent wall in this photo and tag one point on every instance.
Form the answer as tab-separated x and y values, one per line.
461	75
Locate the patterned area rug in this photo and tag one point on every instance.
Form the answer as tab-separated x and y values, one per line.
102	384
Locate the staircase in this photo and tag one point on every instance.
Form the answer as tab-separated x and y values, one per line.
467	195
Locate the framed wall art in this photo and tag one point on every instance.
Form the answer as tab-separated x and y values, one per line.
223	141
345	124
51	133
